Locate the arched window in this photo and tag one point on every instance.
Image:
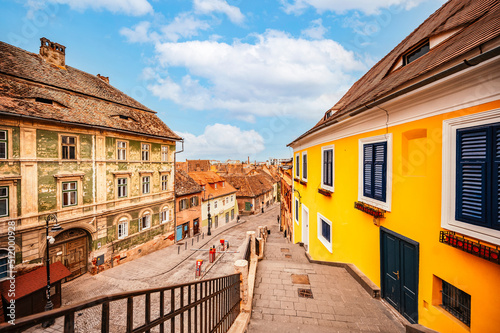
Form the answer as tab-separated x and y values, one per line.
145	221
122	228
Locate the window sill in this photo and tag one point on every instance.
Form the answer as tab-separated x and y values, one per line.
326	193
303	182
296	180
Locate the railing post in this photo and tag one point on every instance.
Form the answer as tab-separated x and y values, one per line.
251	234
241	267
260	228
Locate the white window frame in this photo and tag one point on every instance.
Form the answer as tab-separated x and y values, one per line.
120	150
215	204
6	143
164	153
146	215
7	201
145	153
123	186
297	166
304	153
296	209
122	221
147	184
164	215
71	192
232	198
448	193
388	196
323	240
323	186
164	182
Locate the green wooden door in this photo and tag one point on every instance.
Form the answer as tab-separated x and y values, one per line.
399	263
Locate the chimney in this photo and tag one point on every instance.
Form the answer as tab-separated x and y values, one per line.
104	78
53	53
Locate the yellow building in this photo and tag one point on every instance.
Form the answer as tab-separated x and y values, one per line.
402	176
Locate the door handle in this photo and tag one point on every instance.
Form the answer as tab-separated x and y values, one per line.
396	273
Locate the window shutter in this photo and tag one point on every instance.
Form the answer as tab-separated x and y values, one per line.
496	178
379	170
367	170
472	158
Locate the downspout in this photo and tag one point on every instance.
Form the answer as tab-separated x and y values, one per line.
175	185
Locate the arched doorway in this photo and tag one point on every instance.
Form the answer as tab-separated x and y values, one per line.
71	248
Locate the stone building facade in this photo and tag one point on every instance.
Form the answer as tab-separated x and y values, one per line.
74	146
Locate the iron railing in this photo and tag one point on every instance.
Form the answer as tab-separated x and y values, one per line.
456	302
203	306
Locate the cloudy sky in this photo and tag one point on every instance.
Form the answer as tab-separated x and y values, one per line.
235	78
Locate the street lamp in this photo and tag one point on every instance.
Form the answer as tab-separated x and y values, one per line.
209	216
50	240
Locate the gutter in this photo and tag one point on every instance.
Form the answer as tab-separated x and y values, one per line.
441	75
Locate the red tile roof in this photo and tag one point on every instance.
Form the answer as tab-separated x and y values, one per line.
477	22
209	179
251	185
184	184
80	98
34	280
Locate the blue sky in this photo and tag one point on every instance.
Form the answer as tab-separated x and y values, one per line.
235	78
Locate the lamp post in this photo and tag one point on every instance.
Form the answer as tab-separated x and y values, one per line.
56	227
209	216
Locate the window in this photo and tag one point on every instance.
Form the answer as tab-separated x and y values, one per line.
69	194
183	204
3	145
215	204
297	210
416	53
227	217
456	302
304	166
232	198
375	171
470	189
145	221
164	153
297	166
194	201
164	182
4	264
215	185
327	163
232	214
164	216
325	232
122	228
145	148
122	187
68	146
478	166
121	150
4	201
145	184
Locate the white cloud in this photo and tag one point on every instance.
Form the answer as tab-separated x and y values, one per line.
219	141
219	6
185	26
316	30
278	74
128	7
341	6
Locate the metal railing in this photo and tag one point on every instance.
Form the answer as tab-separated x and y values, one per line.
204	306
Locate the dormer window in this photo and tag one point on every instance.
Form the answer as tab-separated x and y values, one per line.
416	52
44	100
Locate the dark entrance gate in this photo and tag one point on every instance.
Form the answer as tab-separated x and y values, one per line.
70	248
399	270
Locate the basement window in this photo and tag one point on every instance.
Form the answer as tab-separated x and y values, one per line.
416	52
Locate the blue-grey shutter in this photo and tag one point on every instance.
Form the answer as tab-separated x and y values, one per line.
367	170
496	177
379	170
472	160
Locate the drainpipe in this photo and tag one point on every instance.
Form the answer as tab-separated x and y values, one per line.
175	185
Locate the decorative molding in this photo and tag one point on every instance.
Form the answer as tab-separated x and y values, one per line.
67	175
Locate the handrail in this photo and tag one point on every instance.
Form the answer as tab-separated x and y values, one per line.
228	282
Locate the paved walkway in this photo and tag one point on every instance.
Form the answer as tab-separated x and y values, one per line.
339	303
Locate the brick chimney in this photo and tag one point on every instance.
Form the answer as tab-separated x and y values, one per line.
104	78
53	53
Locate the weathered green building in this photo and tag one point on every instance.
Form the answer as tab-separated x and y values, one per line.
73	145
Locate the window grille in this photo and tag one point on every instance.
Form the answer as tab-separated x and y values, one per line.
456	302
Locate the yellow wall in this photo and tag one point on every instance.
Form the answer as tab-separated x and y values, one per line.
415	213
